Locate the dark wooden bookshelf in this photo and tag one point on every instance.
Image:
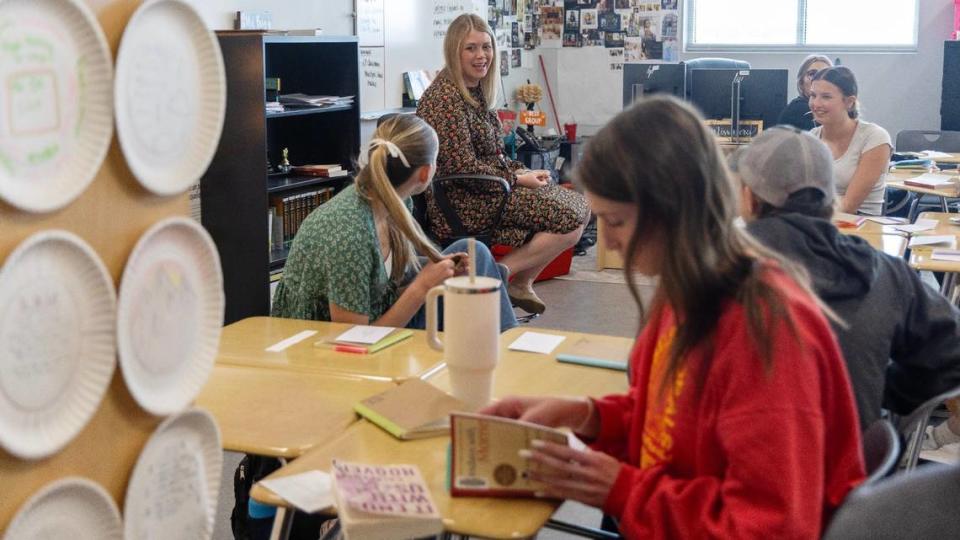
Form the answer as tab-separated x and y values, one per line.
236	188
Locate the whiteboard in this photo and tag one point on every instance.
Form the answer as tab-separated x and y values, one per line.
413	33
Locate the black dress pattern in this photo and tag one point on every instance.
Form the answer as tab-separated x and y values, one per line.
471	143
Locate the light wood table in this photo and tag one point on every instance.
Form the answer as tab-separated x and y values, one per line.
518	372
895	180
245	343
280	413
920	257
883	238
534	374
606	257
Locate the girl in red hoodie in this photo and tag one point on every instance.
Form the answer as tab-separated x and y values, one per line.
739	422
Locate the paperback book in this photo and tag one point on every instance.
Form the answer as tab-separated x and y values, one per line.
484	456
413	409
384	501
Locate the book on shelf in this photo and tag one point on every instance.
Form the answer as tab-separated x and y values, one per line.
324	171
383	501
291	210
306	100
587	351
932	181
415	83
413	409
484	456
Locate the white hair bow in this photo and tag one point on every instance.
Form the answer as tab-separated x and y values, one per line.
392	149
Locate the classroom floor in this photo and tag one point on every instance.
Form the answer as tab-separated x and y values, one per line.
582	306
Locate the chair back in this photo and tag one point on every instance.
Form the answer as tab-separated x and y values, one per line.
919	505
881	448
913	426
916	140
711	63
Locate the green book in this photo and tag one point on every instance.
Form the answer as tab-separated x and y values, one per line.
590	352
413	409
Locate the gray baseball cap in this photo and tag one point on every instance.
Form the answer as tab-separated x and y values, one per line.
783	160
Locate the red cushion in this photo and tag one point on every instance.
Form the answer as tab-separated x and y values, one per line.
559	266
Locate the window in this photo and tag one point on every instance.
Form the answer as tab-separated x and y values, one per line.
801	24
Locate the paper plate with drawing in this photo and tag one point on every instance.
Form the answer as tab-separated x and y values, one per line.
173	490
169	315
57	342
71	507
170	94
57	120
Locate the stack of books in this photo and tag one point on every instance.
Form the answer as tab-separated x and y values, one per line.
287	212
305	100
326	171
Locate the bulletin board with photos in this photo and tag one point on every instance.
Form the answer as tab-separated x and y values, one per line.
633	30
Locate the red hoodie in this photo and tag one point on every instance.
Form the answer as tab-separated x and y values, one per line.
754	453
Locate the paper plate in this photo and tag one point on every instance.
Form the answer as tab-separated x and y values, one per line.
170	94
55	94
72	507
170	314
173	490
57	342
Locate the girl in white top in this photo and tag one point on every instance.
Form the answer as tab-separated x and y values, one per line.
861	150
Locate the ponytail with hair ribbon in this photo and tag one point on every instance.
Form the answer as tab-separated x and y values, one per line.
392	149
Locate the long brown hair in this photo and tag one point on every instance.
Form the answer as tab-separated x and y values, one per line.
457	33
658	155
416	142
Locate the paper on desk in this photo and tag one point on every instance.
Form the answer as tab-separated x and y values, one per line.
952	255
948	240
367	335
918	226
536	342
309	491
949	454
290	341
933	154
885	220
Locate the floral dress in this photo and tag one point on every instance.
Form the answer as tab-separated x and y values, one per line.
336	258
470	143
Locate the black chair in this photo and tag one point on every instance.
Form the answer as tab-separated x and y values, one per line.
914	426
881	448
481	184
919	505
711	63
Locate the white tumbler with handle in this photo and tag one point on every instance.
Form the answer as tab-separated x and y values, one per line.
471	334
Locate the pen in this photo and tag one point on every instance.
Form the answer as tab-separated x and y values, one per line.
350	349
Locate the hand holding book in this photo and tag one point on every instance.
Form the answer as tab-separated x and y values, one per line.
584	475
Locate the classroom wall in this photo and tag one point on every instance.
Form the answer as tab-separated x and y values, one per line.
335	17
897	91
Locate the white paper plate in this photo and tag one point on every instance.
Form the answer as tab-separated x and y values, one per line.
173	490
71	507
57	119
171	95
57	342
170	314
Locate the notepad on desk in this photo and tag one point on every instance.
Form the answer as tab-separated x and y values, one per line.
591	352
944	240
951	255
932	181
847	221
918	226
366	339
413	409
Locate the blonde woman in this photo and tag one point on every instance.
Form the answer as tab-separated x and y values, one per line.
541	219
797	113
355	259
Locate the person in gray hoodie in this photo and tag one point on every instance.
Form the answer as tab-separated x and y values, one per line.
901	338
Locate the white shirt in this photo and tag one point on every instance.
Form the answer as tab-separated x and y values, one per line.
867	137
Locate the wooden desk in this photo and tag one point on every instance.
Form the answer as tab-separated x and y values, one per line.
518	373
920	257
895	180
892	244
281	413
245	343
534	374
606	257
472	516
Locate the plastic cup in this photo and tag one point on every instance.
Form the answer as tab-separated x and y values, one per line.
571	132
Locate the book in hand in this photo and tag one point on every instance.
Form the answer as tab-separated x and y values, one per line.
932	181
413	409
484	457
383	501
588	351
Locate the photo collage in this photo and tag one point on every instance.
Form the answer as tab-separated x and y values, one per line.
633	30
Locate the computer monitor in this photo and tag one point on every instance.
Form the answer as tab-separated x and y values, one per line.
763	93
645	79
